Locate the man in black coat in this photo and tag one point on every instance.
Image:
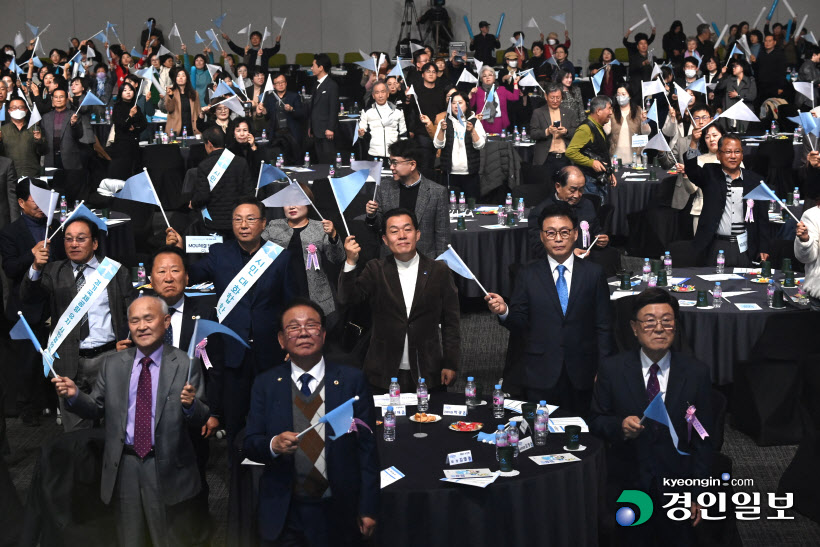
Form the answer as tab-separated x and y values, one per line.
286	116
253	54
484	44
561	305
324	110
642	455
770	71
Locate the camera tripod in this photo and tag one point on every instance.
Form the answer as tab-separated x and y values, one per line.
409	18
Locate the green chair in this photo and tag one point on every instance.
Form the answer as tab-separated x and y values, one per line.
622	54
334	58
499	57
595	54
304	59
277	60
352	57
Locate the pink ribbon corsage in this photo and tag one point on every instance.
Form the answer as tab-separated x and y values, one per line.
312	259
692	420
750	217
584	234
200	352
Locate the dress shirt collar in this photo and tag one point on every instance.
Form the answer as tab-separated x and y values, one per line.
664	364
729	177
179	305
412	185
320	80
93	263
317	372
155	356
568	263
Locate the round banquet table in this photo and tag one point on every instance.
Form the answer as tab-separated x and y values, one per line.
488	252
723	336
631	196
119	243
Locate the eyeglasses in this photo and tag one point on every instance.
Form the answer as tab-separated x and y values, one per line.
79	240
293	331
649	325
393	163
702	118
250	220
551	234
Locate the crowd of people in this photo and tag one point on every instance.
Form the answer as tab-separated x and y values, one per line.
123	363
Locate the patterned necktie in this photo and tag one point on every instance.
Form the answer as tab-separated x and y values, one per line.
305	379
561	286
79	283
142	414
169	332
653	386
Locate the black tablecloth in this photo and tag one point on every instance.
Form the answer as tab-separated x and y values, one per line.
488	253
721	337
543	505
119	242
631	196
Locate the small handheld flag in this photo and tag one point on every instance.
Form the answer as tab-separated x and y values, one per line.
657	411
268	174
345	190
140	188
289	196
202	329
764	193
454	262
22	331
597	81
218	21
91	100
223	89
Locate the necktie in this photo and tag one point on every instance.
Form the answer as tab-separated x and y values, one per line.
305	379
79	283
561	286
142	414
169	332
653	386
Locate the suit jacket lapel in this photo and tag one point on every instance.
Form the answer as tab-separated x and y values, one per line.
577	277
633	376
124	383
421	282
678	376
168	370
545	274
422	199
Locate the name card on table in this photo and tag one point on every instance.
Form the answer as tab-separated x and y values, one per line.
390	475
398	410
405	399
455	410
639	141
200	244
457	458
524	444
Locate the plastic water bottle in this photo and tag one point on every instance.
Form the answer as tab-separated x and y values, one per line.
462	203
307	159
647	269
542	405
521	209
774	128
469	392
452	200
352	158
171	135
264	135
589	104
498	402
421	393
517	136
355	107
94	118
502	216
395	391
796	196
141	274
783	207
772	207
721	262
512	438
768	136
798	135
508	202
389	425
770	292
500	439
108	115
717	295
503	134
634	160
615	162
303	93
524	136
331	171
667	263
63	209
341	108
338	160
540	428
184	132
644	160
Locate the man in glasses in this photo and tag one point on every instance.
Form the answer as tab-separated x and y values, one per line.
643	453
413	191
561	306
312	492
701	114
93	337
728	223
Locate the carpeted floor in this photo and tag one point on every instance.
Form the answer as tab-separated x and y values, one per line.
484	344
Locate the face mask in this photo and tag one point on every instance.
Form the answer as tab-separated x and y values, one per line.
17	114
690	73
513	64
101	76
622	101
552	41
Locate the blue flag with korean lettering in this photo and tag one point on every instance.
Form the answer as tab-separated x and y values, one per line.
138	188
340	419
346	188
84	212
657	411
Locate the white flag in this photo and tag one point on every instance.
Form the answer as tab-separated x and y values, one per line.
244	30
804	88
281	22
562	18
163	50
174	32
739	111
656	71
234	104
528	80
651	88
532	24
658	143
265	36
18	39
213	69
466	76
35	116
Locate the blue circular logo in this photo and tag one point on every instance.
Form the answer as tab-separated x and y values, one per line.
725	476
625	516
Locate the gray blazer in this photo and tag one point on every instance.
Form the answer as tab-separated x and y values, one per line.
319	287
177	472
70	140
679	145
432	212
9	210
540	124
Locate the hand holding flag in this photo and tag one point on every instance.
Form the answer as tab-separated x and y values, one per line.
202	329
340	419
345	190
454	262
22	331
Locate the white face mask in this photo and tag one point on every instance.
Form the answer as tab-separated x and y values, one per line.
552	41
17	114
690	73
622	101
513	64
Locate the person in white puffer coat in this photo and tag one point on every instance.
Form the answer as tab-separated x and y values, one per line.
384	121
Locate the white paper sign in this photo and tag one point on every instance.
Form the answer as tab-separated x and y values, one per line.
550	459
455	410
406	399
398	410
557	425
200	244
639	141
457	458
390	475
747	307
524	444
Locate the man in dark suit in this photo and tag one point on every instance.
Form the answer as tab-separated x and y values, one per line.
484	44
148	402
62	131
95	336
19	242
324	110
642	455
314	491
411	295
725	221
285	113
412	191
254	317
562	305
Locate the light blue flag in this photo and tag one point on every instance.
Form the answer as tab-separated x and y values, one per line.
100	37
144	73
356	133
205	328
289	196
451	258
3	113
218	21
762	193
34	30
597	80
461	119
346	188
37	62
212	36
205	213
269	174
14	68
22	331
84	212
367	64
552	61
735	50
657	411
138	188
809	123
135	53
91	100
340	419
698	85
614	62
197	38
397	71
653	113
223	89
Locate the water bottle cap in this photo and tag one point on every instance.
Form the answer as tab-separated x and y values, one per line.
141	264
500	427
717	283
542	403
394	379
667	252
720	251
498	386
647	260
540	411
421	380
390	409
470	378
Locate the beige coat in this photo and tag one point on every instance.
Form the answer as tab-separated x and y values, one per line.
173	108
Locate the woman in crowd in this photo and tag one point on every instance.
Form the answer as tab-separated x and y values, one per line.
614	75
494	109
384	121
736	85
216	115
103	84
561	57
198	74
552	43
708	145
507	77
310	243
755	43
628	119
809	72
244	146
128	121
460	137
674	43
711	71
181	103
571	92
541	69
